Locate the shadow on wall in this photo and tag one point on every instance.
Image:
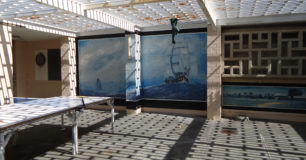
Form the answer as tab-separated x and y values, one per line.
214	74
6	64
68	65
214	103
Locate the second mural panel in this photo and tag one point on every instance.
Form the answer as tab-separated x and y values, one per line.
174	71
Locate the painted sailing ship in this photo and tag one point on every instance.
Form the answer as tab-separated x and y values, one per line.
180	64
98	84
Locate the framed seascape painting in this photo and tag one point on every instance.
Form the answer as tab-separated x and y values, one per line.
279	97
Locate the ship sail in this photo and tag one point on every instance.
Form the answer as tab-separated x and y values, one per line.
180	63
98	84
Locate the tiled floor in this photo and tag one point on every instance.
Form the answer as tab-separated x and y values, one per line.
160	136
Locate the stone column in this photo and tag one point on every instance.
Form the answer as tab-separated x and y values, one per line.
68	66
6	64
214	66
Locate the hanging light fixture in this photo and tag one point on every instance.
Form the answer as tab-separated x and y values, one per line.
175	30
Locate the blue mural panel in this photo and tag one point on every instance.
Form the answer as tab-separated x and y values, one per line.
264	96
174	71
102	67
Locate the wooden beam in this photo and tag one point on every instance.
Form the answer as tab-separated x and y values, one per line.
30	14
121	4
66	5
78	8
208	11
181	25
111	20
38	27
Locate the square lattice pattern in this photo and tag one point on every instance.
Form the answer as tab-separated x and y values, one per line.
253	8
151	14
265	53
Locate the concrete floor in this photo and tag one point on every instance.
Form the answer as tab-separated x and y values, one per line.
160	136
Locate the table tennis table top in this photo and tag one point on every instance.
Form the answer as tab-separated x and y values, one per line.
18	113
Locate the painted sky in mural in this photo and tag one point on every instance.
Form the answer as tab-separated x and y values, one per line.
174	71
281	97
102	66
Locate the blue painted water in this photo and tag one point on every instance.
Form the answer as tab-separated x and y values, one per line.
178	91
282	97
264	103
85	92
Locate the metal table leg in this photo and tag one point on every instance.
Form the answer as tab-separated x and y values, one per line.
75	135
74	116
2	147
4	139
62	122
111	104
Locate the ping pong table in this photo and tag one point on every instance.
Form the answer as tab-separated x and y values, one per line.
13	116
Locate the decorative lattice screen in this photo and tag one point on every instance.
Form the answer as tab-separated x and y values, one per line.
279	53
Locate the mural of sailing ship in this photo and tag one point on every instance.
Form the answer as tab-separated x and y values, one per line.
180	63
168	71
174	71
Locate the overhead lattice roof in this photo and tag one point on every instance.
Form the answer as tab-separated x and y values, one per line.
65	20
75	16
146	15
251	8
